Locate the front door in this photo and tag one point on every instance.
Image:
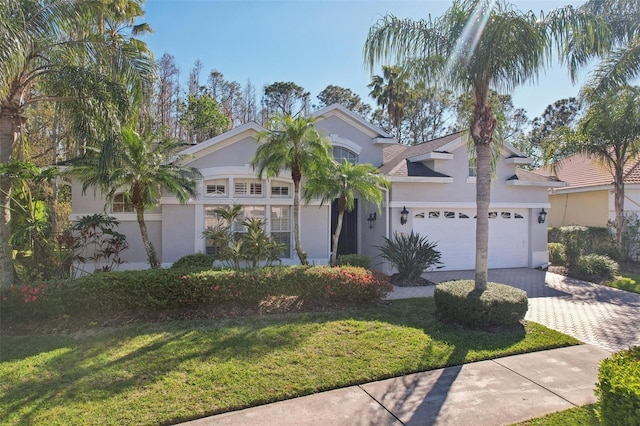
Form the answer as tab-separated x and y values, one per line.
348	243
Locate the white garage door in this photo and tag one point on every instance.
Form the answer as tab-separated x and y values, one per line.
455	232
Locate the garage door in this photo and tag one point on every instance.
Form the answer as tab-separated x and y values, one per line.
455	232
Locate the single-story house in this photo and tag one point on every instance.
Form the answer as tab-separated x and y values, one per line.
432	192
588	199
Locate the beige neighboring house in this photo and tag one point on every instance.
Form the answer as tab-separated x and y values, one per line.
432	192
588	198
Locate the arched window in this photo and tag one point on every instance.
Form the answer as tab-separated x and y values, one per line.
340	154
121	204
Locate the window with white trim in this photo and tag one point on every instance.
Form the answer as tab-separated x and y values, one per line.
216	187
473	167
280	189
121	204
281	227
247	188
340	154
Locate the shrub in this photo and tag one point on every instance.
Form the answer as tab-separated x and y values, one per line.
354	260
557	255
596	266
411	255
194	261
137	292
618	388
581	240
499	304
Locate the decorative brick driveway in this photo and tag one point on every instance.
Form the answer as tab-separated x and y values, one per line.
592	313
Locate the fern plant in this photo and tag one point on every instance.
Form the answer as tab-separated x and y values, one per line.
412	255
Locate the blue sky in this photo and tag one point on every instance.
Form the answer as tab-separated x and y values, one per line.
312	43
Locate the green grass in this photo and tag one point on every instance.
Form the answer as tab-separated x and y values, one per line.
166	372
626	281
579	416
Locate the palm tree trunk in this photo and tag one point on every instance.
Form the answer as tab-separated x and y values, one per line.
151	252
483	196
482	129
8	136
302	255
336	238
618	195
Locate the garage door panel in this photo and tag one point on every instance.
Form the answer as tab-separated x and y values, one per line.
454	232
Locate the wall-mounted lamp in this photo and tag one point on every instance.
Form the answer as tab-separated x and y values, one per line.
542	216
404	215
371	219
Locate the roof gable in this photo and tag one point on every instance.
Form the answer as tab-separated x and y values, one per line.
355	120
218	142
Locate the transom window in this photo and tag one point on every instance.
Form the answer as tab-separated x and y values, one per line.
247	187
216	187
121	204
340	154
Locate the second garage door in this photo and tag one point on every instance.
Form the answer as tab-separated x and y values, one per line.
455	232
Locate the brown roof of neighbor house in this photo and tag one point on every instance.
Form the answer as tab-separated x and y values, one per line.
582	170
396	163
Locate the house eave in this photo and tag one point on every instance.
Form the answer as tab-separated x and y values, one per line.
434	155
516	182
384	141
518	160
421	179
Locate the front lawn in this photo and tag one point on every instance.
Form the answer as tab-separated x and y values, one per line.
628	281
166	372
579	416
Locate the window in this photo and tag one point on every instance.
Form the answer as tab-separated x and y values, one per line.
121	204
493	215
434	215
280	189
473	167
419	215
248	212
518	216
281	227
247	187
216	187
450	215
340	154
212	221
463	216
506	215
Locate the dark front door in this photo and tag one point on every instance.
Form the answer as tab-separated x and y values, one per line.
348	243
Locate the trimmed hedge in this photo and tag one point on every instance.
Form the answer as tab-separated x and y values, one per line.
618	388
596	266
499	304
153	290
557	254
354	260
195	260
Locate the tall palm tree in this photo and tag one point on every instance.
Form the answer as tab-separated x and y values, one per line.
145	170
391	92
293	144
49	52
342	181
475	46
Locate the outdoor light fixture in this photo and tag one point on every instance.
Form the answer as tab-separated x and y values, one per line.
542	216
404	214
371	219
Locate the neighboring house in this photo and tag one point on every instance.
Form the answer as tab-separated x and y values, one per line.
588	198
432	192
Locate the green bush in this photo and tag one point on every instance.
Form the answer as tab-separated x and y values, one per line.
499	304
596	266
412	255
137	292
582	240
354	260
557	254
194	261
618	388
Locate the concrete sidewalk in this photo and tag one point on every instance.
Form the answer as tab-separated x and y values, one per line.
496	392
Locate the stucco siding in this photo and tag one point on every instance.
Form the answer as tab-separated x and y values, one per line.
237	154
579	208
370	153
314	232
178	232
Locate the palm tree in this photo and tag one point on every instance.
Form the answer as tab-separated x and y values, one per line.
343	181
144	172
476	46
620	55
391	92
294	144
49	53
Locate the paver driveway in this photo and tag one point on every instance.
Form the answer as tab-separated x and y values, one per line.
595	314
